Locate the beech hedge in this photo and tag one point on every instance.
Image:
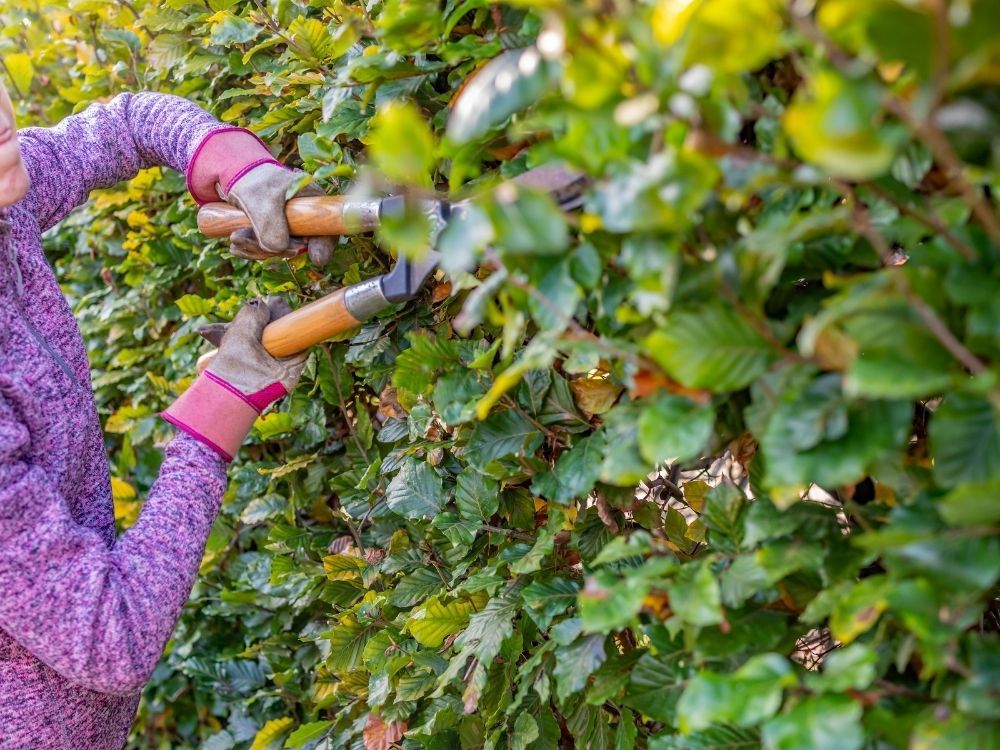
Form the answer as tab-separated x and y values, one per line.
713	462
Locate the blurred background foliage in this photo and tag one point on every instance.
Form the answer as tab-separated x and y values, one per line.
713	463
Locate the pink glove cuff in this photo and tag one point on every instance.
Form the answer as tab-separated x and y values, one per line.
223	157
217	414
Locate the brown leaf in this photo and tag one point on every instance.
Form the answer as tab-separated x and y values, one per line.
606	515
648	381
380	736
340	545
441	291
657	604
594	395
743	448
388	405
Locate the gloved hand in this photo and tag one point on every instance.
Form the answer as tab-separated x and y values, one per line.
260	194
234	164
221	405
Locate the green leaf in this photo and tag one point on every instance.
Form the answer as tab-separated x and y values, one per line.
731	36
745	698
627	732
529	223
502	434
476	495
695	596
230	29
525	732
829	722
716	738
311	37
662	192
576	663
307	733
674	428
416	587
401	144
965	437
191	305
269	737
459	531
655	686
608	603
547	599
972	504
416	491
852	667
347	642
858	610
435	621
711	348
576	471
816	435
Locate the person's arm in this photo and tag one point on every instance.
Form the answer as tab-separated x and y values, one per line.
100	617
107	143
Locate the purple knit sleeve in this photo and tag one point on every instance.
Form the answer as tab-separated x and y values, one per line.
108	143
99	616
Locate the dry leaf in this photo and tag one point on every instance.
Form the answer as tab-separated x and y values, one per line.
388	405
380	736
594	395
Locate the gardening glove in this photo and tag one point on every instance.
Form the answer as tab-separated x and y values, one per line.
242	380
234	164
260	194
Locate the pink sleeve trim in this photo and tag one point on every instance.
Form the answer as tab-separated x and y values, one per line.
267	396
196	435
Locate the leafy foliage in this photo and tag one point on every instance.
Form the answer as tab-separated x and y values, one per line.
713	463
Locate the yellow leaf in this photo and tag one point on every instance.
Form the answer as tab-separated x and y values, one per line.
21	69
343	567
127	512
589	223
834	123
694	494
731	36
121	490
136	219
270	735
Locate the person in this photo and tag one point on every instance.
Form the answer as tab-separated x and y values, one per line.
84	616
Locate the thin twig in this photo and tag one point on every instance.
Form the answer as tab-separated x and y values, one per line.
941	52
953	168
343	407
930	318
928	220
509	532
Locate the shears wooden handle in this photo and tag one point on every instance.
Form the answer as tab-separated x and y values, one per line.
313	216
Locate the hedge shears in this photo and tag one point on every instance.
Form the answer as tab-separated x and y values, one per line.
348	307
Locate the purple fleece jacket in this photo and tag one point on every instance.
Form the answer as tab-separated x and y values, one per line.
84	616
